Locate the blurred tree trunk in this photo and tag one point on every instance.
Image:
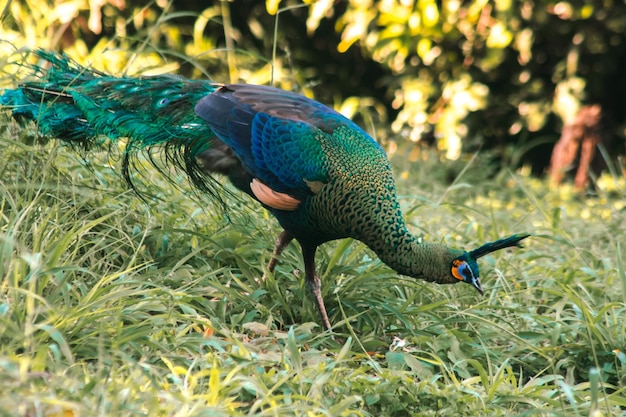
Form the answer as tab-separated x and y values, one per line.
578	139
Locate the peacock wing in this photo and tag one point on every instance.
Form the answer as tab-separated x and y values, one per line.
282	152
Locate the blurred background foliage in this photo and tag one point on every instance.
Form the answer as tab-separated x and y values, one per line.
501	75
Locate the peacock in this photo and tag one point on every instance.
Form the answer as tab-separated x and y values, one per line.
316	171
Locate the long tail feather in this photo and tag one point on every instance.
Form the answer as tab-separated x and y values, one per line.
82	107
506	242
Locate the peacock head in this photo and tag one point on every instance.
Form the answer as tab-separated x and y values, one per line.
465	267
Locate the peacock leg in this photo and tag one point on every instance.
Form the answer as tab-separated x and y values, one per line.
314	283
283	239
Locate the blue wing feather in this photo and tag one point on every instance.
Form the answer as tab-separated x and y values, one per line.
264	126
288	150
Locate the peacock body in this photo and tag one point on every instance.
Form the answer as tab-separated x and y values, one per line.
320	174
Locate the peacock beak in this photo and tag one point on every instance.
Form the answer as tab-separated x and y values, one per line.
476	284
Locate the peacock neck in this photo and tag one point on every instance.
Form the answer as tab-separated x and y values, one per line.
400	250
407	255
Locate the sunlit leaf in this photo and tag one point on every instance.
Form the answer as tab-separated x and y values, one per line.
430	14
272	6
499	36
423	47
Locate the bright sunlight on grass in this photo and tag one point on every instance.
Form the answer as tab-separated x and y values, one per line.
114	306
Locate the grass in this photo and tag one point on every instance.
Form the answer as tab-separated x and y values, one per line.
114	306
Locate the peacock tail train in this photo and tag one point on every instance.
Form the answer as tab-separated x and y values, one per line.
85	107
